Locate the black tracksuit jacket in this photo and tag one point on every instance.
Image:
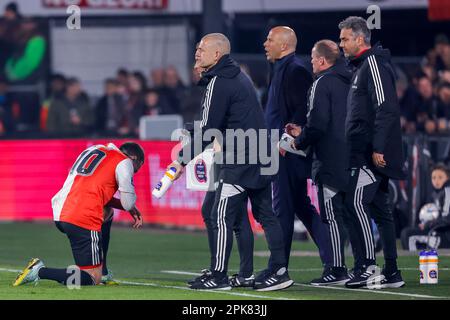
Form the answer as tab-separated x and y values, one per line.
325	127
373	114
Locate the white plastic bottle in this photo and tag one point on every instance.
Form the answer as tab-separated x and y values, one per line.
423	267
433	261
165	183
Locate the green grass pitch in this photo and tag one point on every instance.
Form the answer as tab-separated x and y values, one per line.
141	259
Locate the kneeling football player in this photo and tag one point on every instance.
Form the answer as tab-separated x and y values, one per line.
78	209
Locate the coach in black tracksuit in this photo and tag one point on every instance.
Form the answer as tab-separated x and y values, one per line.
230	104
373	134
324	132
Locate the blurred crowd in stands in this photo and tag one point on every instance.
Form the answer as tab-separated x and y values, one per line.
23	65
425	95
68	111
126	98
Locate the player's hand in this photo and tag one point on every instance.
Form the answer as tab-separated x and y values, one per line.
293	129
178	167
421	226
378	160
108	213
137	217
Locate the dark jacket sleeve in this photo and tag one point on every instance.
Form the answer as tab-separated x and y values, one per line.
318	116
215	106
298	82
381	87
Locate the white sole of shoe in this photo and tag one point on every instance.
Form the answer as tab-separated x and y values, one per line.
363	284
395	285
280	286
221	289
224	288
335	283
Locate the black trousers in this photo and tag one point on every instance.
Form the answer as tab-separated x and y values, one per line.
242	230
290	199
228	207
367	198
334	214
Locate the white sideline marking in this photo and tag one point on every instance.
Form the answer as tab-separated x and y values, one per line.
294	270
149	284
215	291
10	270
373	291
335	288
320	269
186	273
258	296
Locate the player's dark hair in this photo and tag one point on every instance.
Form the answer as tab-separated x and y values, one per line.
442	167
133	149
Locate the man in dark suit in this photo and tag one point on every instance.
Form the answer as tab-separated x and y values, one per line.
287	103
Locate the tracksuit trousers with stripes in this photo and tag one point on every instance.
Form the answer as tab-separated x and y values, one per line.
335	215
368	197
242	230
228	204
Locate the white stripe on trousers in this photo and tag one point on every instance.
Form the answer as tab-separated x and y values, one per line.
94	248
335	235
227	191
97	249
365	223
221	236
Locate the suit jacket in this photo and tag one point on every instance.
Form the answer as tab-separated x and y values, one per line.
291	99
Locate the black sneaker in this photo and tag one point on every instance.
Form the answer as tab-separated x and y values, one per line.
393	280
276	281
366	277
212	283
262	275
205	273
239	281
332	276
351	274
